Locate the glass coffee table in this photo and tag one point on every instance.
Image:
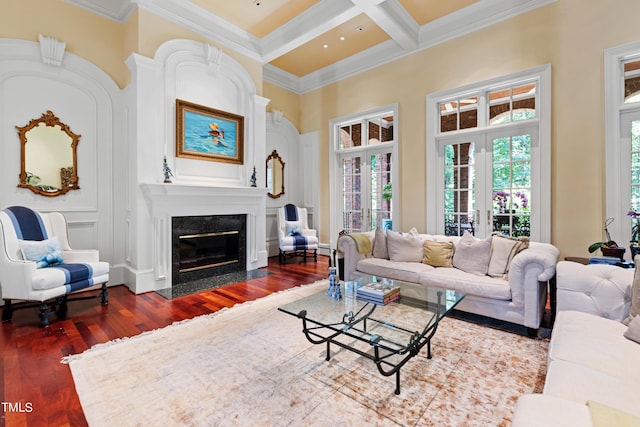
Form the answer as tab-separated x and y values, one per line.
393	333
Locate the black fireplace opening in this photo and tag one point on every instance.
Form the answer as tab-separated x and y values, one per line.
207	246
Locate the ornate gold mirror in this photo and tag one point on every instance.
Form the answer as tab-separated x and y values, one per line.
275	175
48	158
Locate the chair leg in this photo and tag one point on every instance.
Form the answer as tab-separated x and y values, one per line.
281	257
7	311
315	255
61	307
104	295
44	314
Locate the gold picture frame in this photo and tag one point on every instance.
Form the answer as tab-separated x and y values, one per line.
204	133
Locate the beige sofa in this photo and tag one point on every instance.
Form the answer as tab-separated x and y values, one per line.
518	297
593	377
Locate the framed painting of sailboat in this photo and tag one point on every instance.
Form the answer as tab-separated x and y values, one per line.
203	133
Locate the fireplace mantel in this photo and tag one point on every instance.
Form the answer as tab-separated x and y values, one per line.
171	200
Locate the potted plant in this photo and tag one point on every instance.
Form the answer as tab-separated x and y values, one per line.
387	194
609	247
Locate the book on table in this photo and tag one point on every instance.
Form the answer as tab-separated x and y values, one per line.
378	293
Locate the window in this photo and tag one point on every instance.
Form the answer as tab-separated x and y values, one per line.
362	170
488	157
622	137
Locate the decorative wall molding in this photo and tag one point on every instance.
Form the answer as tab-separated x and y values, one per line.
51	50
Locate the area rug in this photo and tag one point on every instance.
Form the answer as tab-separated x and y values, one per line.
251	365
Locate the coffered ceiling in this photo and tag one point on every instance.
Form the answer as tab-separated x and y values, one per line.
305	44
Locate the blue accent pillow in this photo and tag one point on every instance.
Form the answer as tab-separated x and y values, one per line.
43	252
293	228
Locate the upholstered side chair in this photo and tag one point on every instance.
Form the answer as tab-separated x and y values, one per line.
38	268
294	235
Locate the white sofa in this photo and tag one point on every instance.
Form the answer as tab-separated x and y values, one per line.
520	298
590	360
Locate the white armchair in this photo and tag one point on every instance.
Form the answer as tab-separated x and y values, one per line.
38	268
294	235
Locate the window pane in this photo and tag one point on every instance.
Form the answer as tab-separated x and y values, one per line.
448	155
459	114
351	136
380	130
500	106
513	104
521	147
351	194
380	189
632	81
635	135
512	186
524	102
521	174
448	116
449	197
387	129
459	202
501	175
501	150
449	178
469	112
374	131
635	165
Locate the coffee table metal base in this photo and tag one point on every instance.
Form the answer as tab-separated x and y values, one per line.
385	367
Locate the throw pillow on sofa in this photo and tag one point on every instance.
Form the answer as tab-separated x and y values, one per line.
635	293
438	254
471	255
503	249
404	247
380	245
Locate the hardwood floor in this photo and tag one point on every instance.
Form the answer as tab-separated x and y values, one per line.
39	391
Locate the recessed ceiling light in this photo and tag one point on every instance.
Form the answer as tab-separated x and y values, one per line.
325	46
341	37
360	28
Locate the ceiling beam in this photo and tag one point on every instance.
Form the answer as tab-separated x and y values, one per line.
313	22
396	22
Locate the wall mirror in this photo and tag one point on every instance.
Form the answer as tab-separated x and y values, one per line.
48	158
275	175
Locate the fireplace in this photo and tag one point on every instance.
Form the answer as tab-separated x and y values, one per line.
207	246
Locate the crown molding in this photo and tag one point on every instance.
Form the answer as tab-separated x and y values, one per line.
200	21
473	18
406	36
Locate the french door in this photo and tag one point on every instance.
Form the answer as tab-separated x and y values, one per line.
366	189
486	183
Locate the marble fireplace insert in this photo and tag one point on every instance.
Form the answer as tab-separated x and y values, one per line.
207	246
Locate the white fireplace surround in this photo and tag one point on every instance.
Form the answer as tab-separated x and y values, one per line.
173	200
